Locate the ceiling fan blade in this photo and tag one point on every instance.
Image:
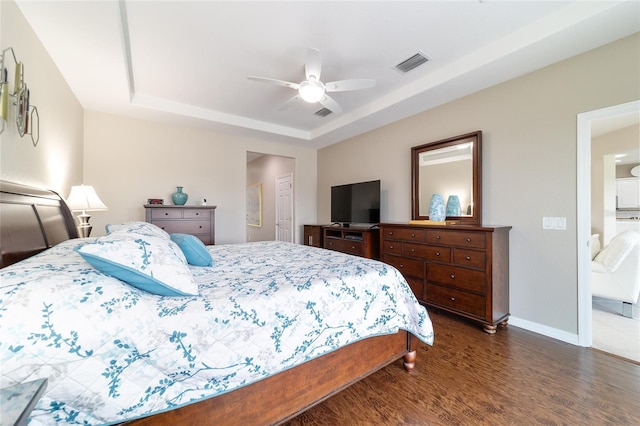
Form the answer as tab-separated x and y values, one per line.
289	103
329	103
275	81
345	85
313	66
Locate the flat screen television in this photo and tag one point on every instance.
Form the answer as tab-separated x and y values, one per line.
356	203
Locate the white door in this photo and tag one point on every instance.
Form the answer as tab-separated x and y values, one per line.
284	208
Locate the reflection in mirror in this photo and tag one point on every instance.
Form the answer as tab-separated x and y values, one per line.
450	167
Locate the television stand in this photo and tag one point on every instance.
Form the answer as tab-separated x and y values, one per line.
364	242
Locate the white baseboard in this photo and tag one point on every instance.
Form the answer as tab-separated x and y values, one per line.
554	333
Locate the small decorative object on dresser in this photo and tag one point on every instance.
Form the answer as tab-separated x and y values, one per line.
436	208
179	198
453	206
198	221
460	269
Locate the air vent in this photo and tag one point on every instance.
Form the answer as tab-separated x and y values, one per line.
323	112
412	63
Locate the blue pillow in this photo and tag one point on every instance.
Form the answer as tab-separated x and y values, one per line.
194	250
147	262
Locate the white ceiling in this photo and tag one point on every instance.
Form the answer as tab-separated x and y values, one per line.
187	62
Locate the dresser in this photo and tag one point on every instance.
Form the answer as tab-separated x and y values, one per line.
463	269
195	220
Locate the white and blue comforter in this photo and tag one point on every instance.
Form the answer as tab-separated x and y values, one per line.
112	352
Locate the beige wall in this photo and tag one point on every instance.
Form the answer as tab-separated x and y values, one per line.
130	160
610	143
529	167
56	161
265	170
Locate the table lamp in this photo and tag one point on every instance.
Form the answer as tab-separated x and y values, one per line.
84	198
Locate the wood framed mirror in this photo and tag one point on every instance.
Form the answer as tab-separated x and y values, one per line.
450	167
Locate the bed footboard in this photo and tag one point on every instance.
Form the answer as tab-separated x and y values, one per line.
283	396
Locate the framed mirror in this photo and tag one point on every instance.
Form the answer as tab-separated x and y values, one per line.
453	168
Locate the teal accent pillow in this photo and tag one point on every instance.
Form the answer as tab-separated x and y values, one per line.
147	262
193	249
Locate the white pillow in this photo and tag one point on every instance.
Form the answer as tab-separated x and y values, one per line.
595	245
147	262
618	248
143	228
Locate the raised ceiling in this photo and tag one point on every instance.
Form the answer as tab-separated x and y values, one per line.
188	62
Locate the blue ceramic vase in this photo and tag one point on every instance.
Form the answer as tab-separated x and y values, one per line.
453	206
436	208
179	198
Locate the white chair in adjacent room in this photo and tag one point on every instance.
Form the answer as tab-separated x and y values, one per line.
615	271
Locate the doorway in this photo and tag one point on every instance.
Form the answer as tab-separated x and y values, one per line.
264	171
585	124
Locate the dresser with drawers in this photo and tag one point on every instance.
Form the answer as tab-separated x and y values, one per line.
463	269
198	221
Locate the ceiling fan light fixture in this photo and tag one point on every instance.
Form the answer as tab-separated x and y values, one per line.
311	91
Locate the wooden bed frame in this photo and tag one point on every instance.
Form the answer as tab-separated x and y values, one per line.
32	220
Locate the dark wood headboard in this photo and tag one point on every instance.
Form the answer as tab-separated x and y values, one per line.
31	220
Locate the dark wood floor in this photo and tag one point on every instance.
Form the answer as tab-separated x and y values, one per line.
515	377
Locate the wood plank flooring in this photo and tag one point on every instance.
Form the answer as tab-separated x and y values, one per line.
514	377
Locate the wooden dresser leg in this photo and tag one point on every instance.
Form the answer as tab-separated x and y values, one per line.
489	329
410	360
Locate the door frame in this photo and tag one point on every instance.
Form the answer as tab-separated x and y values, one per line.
583	234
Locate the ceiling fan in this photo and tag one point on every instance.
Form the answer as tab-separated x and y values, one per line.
313	90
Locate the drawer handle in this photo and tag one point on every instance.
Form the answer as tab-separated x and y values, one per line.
453	299
468	257
390	232
353	247
437	237
413	235
166	214
413	250
401	266
200	226
391	247
437	253
468	240
197	214
453	277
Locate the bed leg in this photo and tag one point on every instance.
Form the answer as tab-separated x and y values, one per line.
410	360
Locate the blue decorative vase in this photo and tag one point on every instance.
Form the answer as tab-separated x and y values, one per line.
453	206
179	197
436	208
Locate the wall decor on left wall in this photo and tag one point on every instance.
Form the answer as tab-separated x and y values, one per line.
27	118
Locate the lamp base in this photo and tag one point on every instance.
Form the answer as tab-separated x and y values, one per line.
84	227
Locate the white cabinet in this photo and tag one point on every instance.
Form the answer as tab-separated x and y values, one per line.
628	193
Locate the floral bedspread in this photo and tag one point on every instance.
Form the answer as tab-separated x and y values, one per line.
112	352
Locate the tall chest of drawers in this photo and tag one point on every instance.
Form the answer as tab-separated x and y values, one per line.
198	221
460	269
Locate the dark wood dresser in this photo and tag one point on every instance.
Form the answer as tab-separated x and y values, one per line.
459	268
195	220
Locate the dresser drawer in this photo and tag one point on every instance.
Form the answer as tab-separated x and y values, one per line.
393	247
470	258
431	253
405	234
456	238
408	267
196	214
184	226
166	214
344	245
469	303
465	279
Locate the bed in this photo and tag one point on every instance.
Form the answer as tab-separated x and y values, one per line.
266	335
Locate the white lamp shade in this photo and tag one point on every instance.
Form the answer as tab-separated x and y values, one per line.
311	91
84	198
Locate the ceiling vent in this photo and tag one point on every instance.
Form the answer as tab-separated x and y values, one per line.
323	112
412	63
